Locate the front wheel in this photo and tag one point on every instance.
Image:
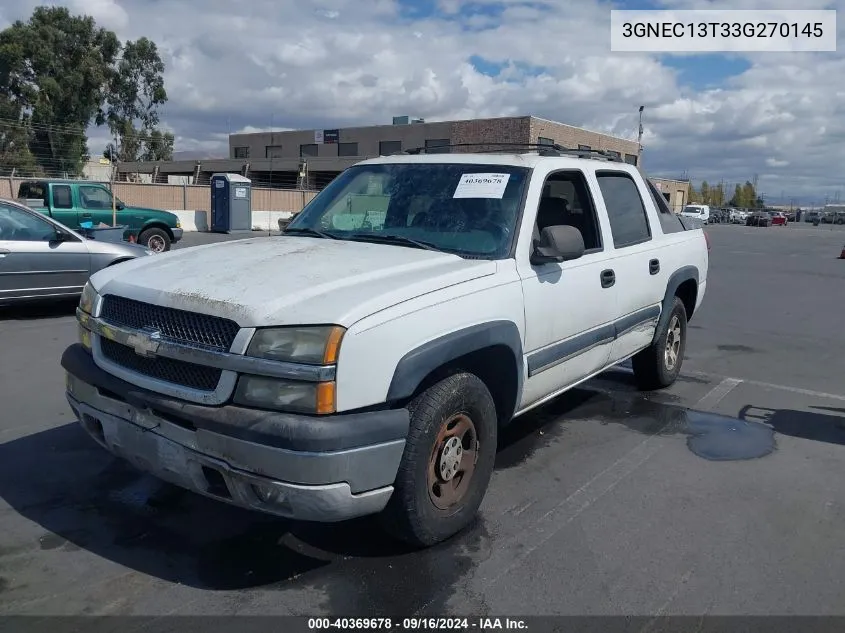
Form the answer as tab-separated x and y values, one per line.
447	464
659	365
155	239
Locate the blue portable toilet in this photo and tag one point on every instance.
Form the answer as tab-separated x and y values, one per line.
231	203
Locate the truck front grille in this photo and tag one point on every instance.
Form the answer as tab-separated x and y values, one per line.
167	369
178	325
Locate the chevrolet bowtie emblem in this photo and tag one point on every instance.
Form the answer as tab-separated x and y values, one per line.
146	342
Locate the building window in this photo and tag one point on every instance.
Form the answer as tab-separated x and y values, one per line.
437	146
273	151
585	148
347	149
241	152
542	140
631	159
386	148
309	149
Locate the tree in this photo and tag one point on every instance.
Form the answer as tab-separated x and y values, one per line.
736	201
705	192
159	146
55	68
135	91
14	139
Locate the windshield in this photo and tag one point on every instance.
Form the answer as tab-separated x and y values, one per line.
692	210
466	209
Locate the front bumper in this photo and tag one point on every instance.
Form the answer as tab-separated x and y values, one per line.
177	234
324	469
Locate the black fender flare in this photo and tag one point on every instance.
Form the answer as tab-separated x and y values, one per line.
685	273
418	363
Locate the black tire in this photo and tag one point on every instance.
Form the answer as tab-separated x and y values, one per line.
652	369
411	514
159	237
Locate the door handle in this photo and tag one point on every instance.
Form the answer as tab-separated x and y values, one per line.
608	278
654	266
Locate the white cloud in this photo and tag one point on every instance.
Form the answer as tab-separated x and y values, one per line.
331	63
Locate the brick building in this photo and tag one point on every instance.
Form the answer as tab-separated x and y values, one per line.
312	158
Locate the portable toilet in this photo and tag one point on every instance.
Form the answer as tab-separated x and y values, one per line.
231	203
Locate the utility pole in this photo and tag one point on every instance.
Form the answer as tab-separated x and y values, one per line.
115	159
640	140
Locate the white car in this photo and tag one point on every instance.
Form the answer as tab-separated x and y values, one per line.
365	361
699	212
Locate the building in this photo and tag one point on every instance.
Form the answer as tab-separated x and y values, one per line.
676	192
310	159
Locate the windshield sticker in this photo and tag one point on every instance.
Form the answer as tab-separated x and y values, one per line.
482	186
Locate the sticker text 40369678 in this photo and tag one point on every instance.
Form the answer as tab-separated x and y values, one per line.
481	186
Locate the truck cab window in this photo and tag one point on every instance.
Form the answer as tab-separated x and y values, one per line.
625	209
94	197
566	200
61	197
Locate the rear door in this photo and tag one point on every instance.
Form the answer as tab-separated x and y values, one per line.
33	263
635	261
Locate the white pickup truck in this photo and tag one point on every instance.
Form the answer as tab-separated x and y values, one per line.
364	361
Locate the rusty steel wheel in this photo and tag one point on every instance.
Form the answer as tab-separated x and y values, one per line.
452	461
447	463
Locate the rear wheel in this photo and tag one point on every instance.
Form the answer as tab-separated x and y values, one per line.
659	365
155	239
447	464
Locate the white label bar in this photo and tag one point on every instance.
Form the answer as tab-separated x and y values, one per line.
723	31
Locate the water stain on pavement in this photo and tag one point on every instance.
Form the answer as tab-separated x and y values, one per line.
736	348
710	436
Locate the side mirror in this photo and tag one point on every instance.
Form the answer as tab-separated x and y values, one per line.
120	206
559	243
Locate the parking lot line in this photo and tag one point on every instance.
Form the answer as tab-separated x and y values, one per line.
805	392
717	394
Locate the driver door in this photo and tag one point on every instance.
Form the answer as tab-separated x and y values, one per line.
33	263
95	205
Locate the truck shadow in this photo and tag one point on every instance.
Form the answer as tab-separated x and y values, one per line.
85	499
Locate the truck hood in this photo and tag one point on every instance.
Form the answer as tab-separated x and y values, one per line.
288	280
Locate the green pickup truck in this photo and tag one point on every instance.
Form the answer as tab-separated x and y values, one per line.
73	203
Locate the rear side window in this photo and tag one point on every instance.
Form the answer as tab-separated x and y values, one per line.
61	197
625	209
669	221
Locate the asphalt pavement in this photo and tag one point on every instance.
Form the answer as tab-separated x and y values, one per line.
720	495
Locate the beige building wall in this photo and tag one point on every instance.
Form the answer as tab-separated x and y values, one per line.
678	191
575	137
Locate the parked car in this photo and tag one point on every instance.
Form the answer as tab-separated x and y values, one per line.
759	218
779	219
493	283
42	259
699	212
74	203
812	216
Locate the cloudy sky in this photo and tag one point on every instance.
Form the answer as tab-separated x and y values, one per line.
235	66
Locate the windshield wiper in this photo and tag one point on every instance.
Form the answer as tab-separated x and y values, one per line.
393	239
304	230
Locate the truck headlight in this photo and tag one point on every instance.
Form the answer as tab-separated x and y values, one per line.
311	345
286	395
88	299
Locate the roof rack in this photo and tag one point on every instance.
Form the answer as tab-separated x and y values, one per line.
542	148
